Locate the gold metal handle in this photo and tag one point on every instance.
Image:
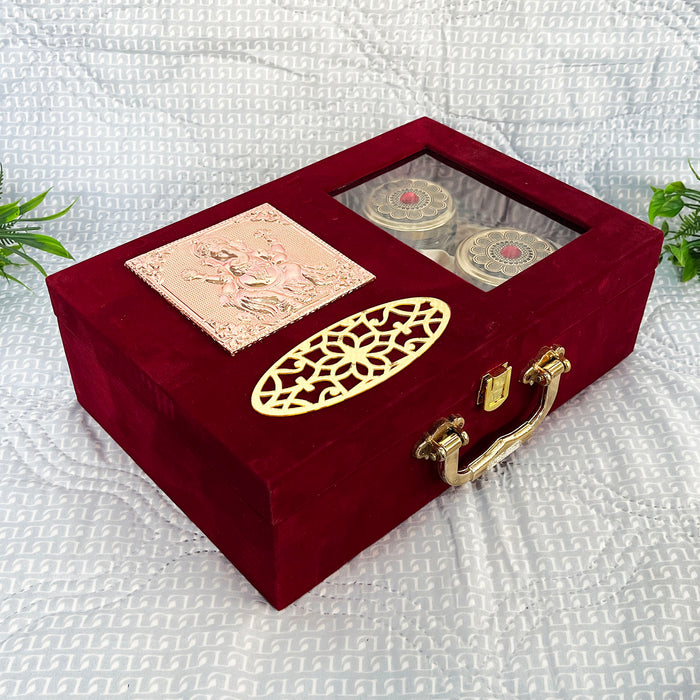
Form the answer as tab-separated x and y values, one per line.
443	442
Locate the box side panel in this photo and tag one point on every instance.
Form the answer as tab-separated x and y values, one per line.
354	513
179	462
286	560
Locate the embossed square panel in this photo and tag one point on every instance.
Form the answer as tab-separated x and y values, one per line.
248	276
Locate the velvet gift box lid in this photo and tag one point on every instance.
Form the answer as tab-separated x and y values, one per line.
279	465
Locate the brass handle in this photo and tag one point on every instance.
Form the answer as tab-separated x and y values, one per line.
443	442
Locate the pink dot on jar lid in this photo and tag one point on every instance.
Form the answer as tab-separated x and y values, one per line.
409	198
511	252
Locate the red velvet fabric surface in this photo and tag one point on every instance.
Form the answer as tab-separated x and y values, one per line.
290	499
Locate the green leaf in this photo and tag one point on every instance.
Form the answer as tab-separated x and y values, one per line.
54	216
656	189
9	277
31	261
45	243
676	186
655	204
676	255
33	203
10	229
690	269
5	207
690	225
684	258
664	226
662	204
9	212
6	251
692	169
9	237
685	252
9	233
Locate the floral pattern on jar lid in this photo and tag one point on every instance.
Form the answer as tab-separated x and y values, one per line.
495	255
409	204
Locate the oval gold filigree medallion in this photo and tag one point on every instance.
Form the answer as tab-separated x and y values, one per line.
350	356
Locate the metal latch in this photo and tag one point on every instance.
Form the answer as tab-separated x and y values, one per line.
495	386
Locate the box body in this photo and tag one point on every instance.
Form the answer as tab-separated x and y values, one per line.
290	499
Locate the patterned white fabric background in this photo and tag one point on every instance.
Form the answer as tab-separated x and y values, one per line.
571	571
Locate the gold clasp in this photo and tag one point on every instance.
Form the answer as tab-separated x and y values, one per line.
495	386
443	442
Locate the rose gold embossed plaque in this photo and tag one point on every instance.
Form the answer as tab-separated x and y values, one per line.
248	276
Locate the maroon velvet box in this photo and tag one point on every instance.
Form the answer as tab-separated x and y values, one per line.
290	499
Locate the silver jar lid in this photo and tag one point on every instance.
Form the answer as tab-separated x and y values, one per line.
409	204
495	255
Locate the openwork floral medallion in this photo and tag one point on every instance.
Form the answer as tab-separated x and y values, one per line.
248	276
350	356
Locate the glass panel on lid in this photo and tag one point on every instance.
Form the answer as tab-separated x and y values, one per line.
471	229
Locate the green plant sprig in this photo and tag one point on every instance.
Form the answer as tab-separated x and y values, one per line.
15	234
682	245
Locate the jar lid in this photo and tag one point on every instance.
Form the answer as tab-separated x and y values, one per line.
495	255
408	204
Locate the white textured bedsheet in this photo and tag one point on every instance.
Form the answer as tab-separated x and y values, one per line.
570	571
